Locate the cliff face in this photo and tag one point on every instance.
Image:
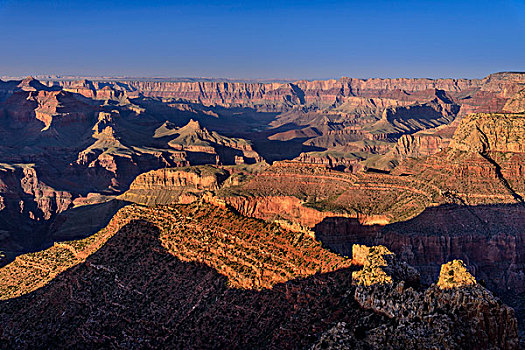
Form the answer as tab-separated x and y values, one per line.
275	208
33	111
423	143
194	139
491	133
174	185
516	104
324	92
475	95
26	203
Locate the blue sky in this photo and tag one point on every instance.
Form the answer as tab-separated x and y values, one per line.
263	39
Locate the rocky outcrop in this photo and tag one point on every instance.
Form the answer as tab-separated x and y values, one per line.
174	185
192	138
45	108
488	238
419	145
516	104
456	314
332	160
483	133
22	190
380	267
454	274
27	204
408	119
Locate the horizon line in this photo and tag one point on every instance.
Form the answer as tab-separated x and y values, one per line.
68	77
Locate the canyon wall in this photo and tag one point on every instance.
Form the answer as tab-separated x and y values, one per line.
490	92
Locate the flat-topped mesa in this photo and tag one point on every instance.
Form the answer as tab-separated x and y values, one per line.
174	185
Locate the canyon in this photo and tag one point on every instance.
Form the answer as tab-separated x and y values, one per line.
200	275
263	191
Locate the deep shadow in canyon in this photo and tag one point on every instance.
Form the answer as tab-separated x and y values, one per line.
72	224
133	292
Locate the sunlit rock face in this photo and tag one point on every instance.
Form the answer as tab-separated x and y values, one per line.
349	92
491	133
454	274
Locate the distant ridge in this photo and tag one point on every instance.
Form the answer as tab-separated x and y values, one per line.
153	79
58	78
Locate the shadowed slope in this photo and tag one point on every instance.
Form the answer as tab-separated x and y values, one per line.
134	292
250	252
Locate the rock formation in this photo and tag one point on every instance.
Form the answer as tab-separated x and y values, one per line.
423	319
397	162
174	185
199	275
454	274
320	93
491	133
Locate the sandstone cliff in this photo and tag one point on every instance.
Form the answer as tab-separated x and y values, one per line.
419	145
485	95
491	133
174	185
516	104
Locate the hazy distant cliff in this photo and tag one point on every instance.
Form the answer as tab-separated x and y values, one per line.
478	94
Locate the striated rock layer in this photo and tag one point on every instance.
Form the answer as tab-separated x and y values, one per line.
174	185
476	94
